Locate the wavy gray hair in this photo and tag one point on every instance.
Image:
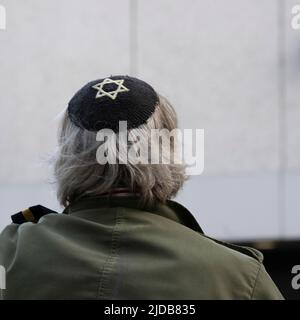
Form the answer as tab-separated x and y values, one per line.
77	172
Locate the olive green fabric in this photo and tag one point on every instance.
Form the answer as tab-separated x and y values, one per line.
116	248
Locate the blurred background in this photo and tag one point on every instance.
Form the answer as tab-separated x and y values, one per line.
229	67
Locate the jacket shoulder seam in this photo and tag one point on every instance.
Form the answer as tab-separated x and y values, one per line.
255	281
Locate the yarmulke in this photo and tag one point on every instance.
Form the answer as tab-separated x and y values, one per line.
103	103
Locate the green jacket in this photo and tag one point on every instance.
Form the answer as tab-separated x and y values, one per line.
115	248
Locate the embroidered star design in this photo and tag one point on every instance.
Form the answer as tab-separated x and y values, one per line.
111	94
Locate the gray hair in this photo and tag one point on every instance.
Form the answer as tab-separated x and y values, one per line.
78	173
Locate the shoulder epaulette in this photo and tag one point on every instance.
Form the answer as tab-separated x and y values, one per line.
31	214
251	252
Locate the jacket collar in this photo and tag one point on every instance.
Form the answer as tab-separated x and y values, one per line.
170	210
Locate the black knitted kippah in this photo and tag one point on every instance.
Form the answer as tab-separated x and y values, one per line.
103	103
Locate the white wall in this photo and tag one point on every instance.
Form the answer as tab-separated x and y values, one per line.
230	67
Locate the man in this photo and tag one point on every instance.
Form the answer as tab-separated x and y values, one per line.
120	235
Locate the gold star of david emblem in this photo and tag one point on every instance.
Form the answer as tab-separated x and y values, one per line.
111	94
